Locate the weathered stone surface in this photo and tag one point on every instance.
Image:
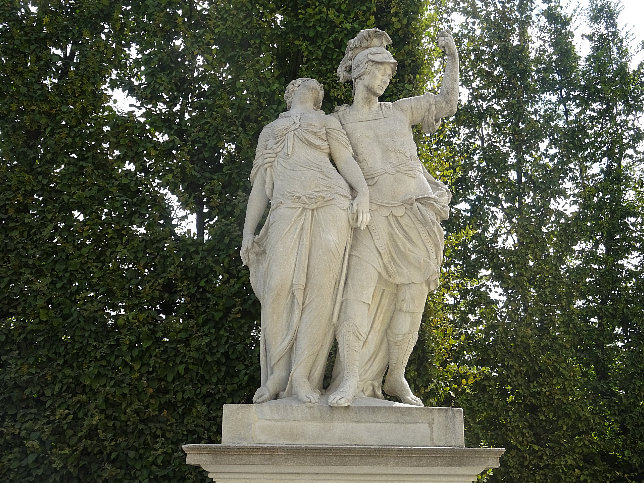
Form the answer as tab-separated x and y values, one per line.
368	421
236	463
297	259
353	251
372	440
395	263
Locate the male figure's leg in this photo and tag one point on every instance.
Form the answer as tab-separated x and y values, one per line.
402	335
353	326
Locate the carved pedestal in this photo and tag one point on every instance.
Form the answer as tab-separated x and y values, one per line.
370	441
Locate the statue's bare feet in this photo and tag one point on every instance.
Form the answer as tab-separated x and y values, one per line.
398	386
343	395
304	392
263	394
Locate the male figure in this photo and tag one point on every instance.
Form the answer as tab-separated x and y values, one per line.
401	252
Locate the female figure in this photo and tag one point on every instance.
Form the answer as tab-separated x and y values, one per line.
297	258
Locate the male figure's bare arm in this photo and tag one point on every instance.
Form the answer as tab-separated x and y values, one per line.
350	171
447	100
429	109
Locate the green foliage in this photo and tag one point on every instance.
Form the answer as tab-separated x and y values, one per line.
120	336
550	152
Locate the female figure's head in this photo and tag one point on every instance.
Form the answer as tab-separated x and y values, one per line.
304	89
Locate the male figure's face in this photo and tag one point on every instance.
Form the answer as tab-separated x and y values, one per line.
377	77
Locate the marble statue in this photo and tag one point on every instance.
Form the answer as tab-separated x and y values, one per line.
297	259
351	246
395	262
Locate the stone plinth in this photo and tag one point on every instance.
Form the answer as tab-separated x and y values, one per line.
369	422
372	440
272	463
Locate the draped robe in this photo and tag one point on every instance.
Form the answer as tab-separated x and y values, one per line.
296	260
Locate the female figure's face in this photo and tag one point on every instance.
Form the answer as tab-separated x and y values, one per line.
308	94
377	77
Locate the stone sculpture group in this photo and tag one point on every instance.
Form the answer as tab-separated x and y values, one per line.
352	243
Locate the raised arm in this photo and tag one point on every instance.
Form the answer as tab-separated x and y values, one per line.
429	109
447	100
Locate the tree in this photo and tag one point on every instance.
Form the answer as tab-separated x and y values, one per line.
608	228
122	337
525	135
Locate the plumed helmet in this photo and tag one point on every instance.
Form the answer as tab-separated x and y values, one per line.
368	46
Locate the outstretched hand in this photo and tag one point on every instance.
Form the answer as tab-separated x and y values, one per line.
360	215
446	43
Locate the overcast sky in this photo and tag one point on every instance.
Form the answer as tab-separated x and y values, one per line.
631	18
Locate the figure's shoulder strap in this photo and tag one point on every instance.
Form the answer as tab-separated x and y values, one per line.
349	116
387	109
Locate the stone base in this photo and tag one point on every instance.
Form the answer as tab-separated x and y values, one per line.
372	440
368	422
270	463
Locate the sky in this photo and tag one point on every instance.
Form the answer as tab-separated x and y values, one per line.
632	19
633	16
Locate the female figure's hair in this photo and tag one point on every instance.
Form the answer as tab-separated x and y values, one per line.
294	85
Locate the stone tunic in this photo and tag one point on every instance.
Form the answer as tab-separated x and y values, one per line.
405	240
